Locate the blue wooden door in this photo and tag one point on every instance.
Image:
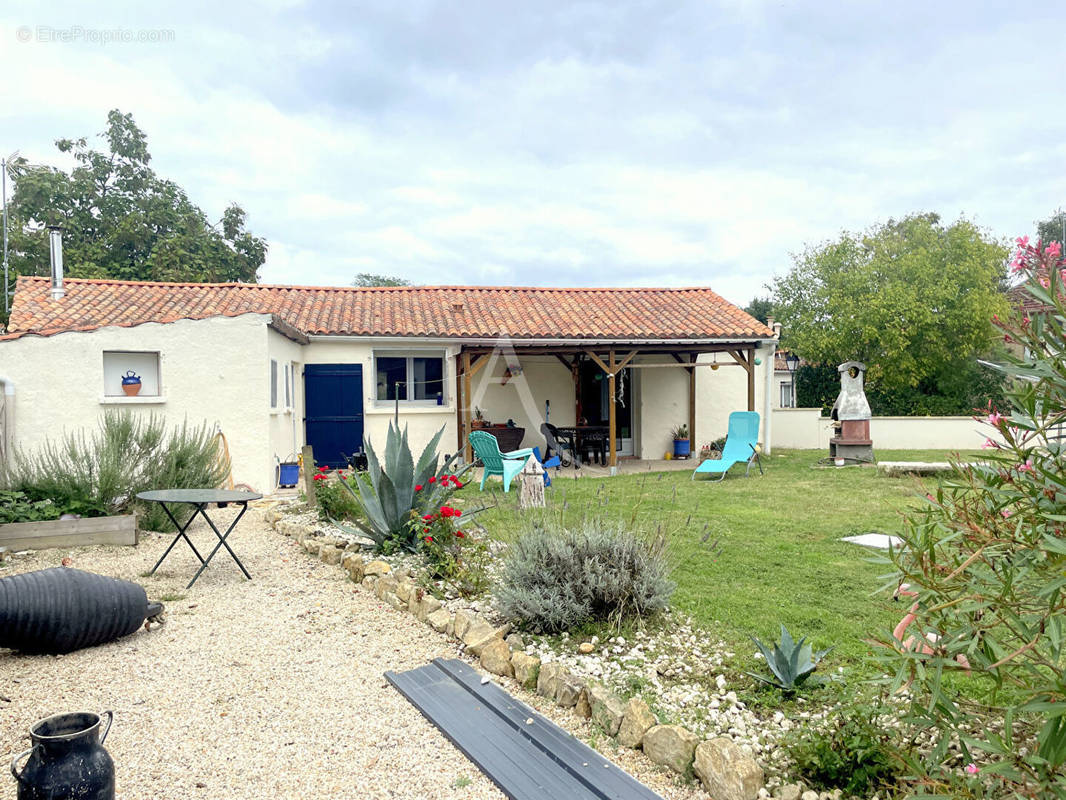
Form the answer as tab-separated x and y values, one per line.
333	399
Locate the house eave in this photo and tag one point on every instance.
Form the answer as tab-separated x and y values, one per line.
518	343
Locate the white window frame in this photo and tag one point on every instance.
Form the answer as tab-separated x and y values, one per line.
288	386
274	384
411	355
788	394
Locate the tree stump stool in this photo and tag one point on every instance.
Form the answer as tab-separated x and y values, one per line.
531	485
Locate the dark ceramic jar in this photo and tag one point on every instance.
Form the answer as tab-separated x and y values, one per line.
67	760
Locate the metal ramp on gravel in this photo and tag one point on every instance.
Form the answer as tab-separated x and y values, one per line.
525	755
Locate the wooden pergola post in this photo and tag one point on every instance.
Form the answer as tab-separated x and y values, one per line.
468	454
459	425
611	422
751	380
692	404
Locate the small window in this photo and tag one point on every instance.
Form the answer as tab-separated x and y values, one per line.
288	386
392	378
786	395
418	378
428	378
131	368
273	383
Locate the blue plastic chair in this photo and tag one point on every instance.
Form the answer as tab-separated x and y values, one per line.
506	465
741	443
554	461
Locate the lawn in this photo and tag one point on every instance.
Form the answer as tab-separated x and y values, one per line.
752	553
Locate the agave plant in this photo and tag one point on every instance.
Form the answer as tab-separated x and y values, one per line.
401	491
792	663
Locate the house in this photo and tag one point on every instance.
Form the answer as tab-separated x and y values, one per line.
784	391
275	367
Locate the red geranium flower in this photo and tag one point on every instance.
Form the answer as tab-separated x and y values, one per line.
418	487
460	534
323	469
429	538
432	479
425	530
427	516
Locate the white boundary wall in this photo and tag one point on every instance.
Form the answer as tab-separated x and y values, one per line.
807	429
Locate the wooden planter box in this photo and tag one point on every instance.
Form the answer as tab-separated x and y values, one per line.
69	533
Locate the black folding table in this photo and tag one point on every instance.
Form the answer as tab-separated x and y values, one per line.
200	499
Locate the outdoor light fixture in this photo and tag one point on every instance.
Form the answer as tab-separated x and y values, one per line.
792	362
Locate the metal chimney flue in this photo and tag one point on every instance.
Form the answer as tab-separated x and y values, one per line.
55	248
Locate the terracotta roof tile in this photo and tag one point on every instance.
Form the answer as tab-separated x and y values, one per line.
425	311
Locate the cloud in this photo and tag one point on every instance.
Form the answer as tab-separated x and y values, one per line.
586	143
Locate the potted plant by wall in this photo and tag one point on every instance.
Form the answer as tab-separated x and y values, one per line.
479	419
681	443
131	384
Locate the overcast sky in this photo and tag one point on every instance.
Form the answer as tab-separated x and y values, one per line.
553	143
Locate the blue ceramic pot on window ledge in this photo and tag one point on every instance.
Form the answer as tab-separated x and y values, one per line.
131	384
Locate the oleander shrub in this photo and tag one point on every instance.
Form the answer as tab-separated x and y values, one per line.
100	472
554	579
986	559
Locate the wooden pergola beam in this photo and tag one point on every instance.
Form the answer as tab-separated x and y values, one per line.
602	365
666	349
622	364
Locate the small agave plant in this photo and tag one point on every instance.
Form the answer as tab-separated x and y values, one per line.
792	663
400	491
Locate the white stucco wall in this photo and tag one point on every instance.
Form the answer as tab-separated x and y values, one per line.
522	397
212	371
285	422
807	429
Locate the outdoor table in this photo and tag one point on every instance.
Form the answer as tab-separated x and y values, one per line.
576	434
200	499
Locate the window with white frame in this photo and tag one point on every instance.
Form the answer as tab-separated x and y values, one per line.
273	383
288	387
786	395
414	377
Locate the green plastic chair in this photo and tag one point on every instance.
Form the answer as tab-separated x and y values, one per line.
740	445
506	465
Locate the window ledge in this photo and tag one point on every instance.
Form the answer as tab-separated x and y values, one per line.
137	400
390	408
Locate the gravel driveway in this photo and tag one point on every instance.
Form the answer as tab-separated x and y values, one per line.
269	688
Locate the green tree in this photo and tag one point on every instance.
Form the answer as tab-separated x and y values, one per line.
121	220
761	308
913	299
1051	229
370	279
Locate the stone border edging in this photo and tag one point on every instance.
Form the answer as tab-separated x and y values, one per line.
726	771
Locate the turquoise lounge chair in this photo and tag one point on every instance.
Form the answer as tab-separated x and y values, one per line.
506	465
741	443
